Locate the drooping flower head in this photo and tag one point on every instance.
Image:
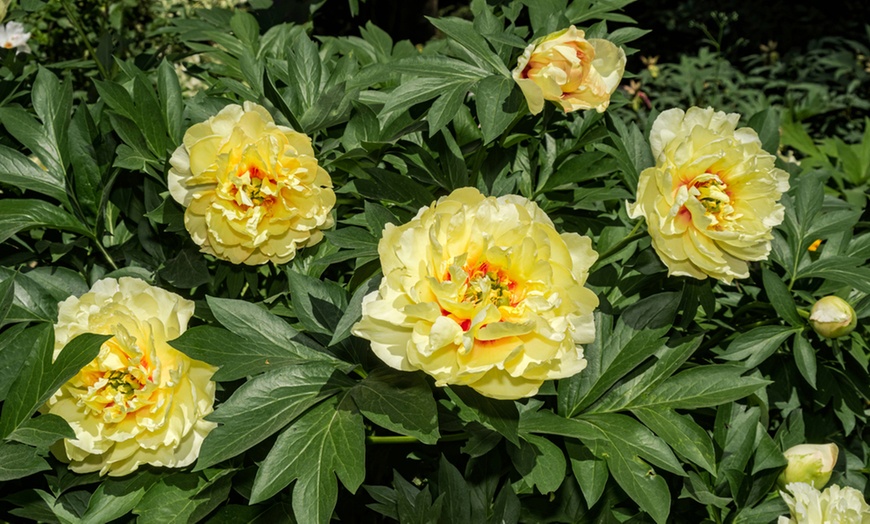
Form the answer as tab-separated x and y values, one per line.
253	190
12	36
483	292
140	401
565	68
835	505
711	200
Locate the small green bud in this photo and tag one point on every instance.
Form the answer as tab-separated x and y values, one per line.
809	463
833	317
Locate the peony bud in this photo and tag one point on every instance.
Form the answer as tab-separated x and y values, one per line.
809	463
833	317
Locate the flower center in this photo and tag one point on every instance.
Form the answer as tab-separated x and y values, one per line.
489	283
8	45
253	187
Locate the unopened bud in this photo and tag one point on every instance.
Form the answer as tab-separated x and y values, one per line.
833	317
809	463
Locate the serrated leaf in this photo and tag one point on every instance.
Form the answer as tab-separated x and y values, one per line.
264	405
328	439
399	401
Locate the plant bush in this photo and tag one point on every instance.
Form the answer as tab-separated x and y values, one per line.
141	163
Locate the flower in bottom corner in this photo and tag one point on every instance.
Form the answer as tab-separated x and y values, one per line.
834	505
140	401
483	292
711	200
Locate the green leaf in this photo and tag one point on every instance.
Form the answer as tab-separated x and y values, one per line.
500	416
757	344
264	405
171	101
632	437
22	214
328	439
541	464
318	304
445	108
181	498
255	324
805	358
353	312
186	270
686	437
246	29
399	401
781	298
18	461
41	378
499	100
236	357
33	135
42	431
87	176
147	108
19	171
702	386
589	471
115	497
416	91
457	500
7	294
579	168
52	102
464	33
766	124
16	345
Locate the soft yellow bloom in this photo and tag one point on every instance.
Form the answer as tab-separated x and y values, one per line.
835	505
833	317
140	401
253	190
483	292
809	463
711	200
568	69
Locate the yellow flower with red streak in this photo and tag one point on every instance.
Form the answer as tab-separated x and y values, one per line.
483	292
140	401
711	200
253	190
568	69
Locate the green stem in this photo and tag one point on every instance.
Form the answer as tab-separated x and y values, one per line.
74	20
403	439
105	253
360	371
632	235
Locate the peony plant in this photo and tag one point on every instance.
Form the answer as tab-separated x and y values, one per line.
252	271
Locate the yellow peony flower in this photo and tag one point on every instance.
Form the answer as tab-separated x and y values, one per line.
835	505
140	401
568	69
253	190
483	292
712	198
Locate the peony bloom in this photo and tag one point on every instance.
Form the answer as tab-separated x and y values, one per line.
711	200
809	463
568	69
12	36
483	292
140	401
253	190
835	505
833	317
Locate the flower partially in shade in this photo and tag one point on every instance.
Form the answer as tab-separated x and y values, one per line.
565	68
12	36
711	200
483	292
833	317
835	505
253	190
140	401
809	463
